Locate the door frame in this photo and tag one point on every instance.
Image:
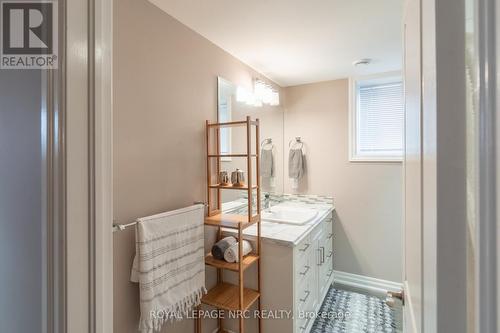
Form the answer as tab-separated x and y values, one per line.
443	245
497	23
88	109
100	18
487	64
103	130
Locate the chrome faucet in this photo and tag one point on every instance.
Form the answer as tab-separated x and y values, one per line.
267	201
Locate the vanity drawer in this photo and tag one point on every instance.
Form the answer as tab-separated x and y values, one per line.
305	300
302	324
329	242
303	249
305	295
328	254
328	264
328	225
303	269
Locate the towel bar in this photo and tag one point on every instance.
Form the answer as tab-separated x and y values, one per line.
121	227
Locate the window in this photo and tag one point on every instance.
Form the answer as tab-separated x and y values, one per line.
377	119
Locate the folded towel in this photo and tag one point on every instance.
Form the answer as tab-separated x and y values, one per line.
295	163
267	163
221	246
231	254
169	265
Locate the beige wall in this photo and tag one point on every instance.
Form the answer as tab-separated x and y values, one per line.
368	196
165	87
165	83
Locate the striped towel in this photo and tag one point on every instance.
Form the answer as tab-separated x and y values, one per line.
169	265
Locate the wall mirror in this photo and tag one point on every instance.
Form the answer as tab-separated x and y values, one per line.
233	140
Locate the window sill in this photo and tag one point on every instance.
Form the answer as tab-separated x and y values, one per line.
375	159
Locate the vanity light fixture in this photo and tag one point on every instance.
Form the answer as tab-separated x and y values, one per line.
263	94
275	99
241	95
247	97
251	100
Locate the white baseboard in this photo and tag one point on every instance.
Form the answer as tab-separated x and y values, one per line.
366	283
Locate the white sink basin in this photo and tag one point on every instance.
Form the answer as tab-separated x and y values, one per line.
288	215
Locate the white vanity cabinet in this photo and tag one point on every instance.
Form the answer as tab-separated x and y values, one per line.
296	276
313	266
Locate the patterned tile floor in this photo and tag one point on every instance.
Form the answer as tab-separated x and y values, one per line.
353	311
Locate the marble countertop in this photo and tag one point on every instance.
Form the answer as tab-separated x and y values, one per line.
288	234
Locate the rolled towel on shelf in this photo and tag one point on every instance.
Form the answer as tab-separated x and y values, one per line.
221	246
231	254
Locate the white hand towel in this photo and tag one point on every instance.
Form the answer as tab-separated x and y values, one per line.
169	265
231	254
296	166
295	163
267	163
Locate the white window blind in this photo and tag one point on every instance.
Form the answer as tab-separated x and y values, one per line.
379	120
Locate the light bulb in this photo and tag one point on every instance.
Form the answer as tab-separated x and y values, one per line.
275	98
250	99
241	94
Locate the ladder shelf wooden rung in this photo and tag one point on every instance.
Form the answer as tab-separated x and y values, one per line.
232	187
248	260
225	296
232	221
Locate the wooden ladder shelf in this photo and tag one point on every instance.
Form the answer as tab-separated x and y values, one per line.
227	296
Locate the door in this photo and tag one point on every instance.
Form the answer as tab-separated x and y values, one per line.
55	175
32	237
482	96
412	275
21	201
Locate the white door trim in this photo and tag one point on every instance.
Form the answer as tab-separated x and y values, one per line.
486	230
444	168
103	130
78	215
497	19
88	54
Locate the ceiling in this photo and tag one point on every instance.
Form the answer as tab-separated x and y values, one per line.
294	42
